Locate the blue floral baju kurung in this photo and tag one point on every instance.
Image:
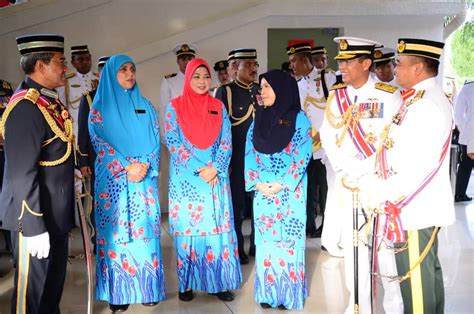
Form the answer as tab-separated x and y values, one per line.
280	221
129	266
201	217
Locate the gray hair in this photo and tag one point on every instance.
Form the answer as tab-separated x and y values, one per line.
28	62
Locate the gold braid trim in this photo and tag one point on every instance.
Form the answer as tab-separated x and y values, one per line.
385	140
47	142
89	100
315	102
238	120
5	115
67	137
347	118
24	206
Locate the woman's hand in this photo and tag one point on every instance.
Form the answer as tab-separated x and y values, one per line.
269	189
264	188
207	174
214	181
275	187
137	171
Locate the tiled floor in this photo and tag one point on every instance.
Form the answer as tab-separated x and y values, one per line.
327	293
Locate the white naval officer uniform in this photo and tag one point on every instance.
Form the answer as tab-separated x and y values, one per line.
171	87
77	85
313	103
380	101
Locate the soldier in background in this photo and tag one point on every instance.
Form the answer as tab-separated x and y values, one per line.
239	97
171	87
78	83
222	75
384	65
313	86
464	115
231	68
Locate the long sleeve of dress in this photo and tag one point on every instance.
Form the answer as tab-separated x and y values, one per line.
300	152
296	155
180	149
224	150
124	209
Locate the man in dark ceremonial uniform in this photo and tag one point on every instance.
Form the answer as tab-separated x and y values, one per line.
37	200
239	97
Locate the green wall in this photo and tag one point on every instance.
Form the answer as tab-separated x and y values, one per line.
278	40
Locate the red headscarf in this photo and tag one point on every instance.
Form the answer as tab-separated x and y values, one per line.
199	115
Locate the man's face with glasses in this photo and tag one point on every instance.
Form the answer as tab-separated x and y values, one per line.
354	71
247	71
82	63
54	72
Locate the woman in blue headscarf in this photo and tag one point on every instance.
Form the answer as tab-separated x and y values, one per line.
124	131
277	152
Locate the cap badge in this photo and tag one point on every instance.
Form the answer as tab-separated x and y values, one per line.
343	44
401	46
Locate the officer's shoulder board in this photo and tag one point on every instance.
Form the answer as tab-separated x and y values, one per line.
338	86
70	75
32	95
167	76
386	87
329	70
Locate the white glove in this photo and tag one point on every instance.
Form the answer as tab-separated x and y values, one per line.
38	246
372	194
77	181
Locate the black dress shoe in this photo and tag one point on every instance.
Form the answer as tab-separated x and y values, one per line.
282	307
462	198
186	296
226	296
244	259
150	304
265	305
252	250
117	308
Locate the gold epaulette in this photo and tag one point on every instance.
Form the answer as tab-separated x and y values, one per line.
338	86
67	136
386	87
167	76
32	95
70	75
329	70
